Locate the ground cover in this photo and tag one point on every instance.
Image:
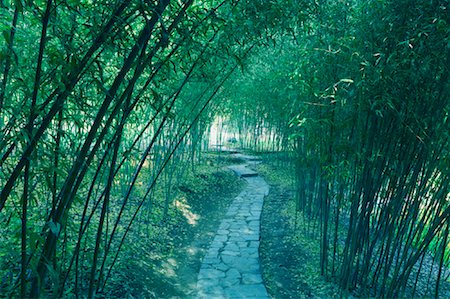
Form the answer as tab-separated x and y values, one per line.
166	264
290	245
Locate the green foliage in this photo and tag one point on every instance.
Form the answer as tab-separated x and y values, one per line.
106	105
103	105
161	242
360	95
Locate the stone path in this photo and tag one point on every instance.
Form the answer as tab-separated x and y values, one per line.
231	268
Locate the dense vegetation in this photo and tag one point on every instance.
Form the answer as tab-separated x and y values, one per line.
105	107
361	95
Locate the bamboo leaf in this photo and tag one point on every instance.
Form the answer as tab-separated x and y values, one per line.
19	5
54	227
5	34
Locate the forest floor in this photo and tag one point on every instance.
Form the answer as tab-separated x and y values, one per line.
290	246
169	267
290	264
289	258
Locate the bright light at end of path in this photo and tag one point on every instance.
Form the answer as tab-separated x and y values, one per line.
219	132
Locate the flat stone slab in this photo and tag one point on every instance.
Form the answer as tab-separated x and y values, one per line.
246	291
231	267
247	157
242	171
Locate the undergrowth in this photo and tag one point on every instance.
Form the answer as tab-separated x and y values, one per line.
301	241
163	254
299	269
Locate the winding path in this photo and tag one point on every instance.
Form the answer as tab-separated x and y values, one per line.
231	268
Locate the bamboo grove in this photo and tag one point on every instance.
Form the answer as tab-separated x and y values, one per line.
100	103
103	104
360	96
